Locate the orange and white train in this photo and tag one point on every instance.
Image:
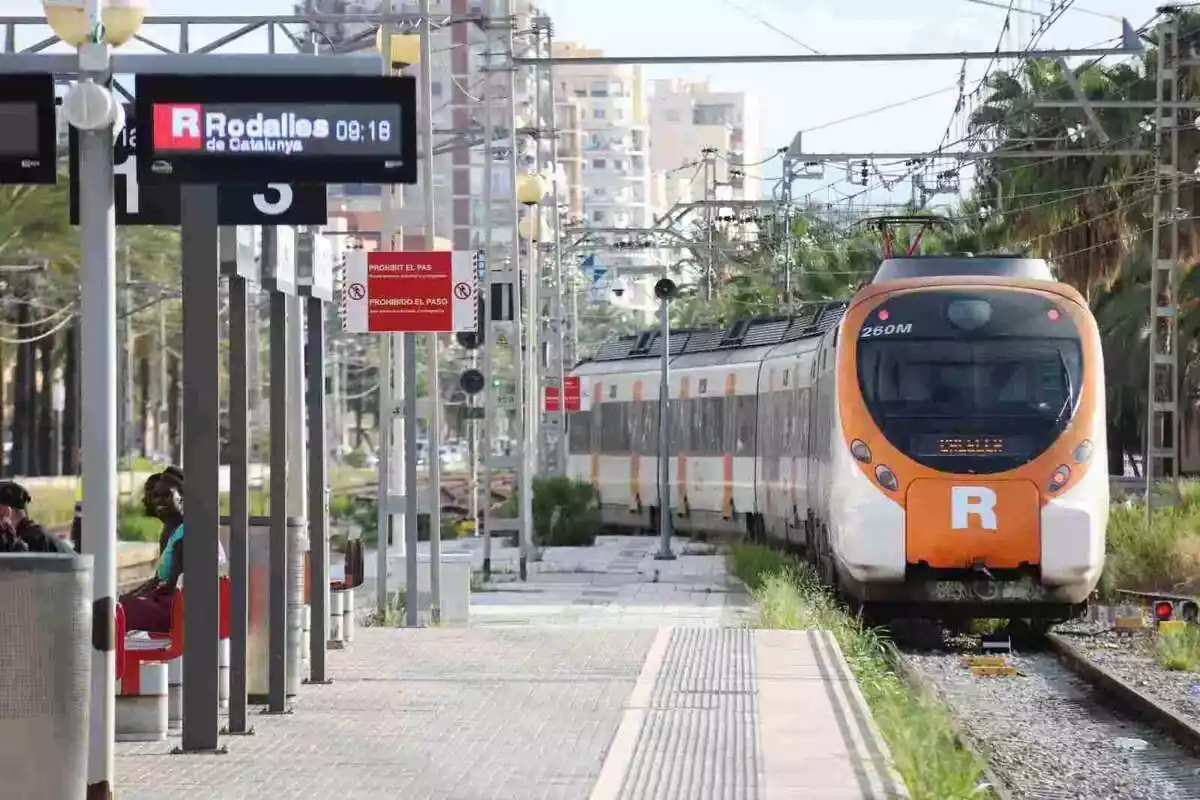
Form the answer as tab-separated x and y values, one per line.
935	446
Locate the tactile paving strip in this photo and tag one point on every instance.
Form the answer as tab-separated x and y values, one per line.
699	739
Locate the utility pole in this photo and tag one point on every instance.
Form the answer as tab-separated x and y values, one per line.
710	219
434	458
502	278
127	363
1161	457
785	199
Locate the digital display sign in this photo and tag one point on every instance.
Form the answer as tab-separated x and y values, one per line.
305	130
970	445
28	137
293	128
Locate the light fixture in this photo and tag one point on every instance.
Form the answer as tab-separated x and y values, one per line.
120	20
530	189
401	50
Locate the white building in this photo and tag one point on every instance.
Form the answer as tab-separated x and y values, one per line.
685	118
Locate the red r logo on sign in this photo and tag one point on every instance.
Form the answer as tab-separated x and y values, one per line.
177	126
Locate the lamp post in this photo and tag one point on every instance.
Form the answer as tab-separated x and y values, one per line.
396	469
530	191
665	290
90	105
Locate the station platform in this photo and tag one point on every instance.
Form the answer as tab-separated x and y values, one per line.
608	675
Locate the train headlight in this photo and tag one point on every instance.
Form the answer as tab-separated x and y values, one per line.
1059	477
887	478
859	449
1083	452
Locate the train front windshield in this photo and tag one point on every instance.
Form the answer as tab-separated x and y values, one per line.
977	382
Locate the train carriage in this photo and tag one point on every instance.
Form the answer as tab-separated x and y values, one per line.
936	446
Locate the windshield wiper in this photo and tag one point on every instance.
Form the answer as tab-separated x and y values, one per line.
1067	403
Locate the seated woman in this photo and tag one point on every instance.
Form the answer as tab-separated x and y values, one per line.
148	607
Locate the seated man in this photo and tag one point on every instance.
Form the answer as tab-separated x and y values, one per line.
14	504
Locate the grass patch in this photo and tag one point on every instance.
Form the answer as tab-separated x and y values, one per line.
919	731
392	615
1164	558
1179	650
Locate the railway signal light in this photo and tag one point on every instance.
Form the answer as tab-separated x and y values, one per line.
472	381
1163	610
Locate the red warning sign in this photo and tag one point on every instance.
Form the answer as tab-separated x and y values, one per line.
409	292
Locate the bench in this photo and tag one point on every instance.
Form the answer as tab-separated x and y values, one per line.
164	647
341	593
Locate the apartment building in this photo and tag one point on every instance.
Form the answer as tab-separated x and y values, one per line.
458	121
685	118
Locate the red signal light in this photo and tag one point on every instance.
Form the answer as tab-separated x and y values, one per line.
883	315
1053	315
1163	609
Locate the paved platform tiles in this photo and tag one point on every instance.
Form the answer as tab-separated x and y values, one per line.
598	686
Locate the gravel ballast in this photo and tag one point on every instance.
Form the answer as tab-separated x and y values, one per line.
1049	735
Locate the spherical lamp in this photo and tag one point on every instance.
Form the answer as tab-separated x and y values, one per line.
119	21
530	189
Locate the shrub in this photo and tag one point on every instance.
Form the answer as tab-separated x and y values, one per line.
566	512
134	526
1165	558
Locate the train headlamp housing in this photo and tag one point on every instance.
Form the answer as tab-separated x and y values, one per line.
860	451
1059	478
887	479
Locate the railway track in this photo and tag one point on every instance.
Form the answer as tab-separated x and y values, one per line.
1060	727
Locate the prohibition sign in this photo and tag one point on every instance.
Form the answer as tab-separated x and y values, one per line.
462	290
357	291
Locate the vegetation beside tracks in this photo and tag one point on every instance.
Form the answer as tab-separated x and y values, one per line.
1165	558
920	731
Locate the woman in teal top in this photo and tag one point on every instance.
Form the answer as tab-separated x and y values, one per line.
148	607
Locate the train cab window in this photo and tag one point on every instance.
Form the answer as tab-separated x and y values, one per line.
982	400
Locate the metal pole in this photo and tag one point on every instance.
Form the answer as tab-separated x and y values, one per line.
411	595
201	460
533	398
664	442
525	392
239	496
489	392
557	315
432	384
297	455
710	193
386	421
1149	458
318	529
385	424
278	591
98	327
1174	429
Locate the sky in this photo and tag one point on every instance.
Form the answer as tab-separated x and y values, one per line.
793	98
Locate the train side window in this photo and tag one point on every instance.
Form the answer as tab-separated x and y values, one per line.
579	431
747	425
